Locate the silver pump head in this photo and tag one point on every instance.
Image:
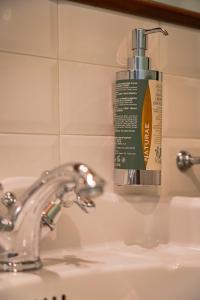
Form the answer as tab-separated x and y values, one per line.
139	46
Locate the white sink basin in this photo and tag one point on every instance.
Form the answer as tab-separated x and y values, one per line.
104	264
111	272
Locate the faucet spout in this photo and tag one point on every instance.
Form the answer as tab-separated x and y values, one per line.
21	232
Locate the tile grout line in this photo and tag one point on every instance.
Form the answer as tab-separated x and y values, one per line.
85	135
90	63
58	82
30	133
180	138
180	75
61	59
53	134
26	54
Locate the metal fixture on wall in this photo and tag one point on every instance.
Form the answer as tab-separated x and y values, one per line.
184	160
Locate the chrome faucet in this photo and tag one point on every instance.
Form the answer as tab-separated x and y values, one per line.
34	211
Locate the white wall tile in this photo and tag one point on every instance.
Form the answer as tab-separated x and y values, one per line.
29	27
29	94
181	107
86	93
175	182
97	152
179	51
27	155
87	36
100	36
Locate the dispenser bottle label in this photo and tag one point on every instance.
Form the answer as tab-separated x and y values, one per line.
138	121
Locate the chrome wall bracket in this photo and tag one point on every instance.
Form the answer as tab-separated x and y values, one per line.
184	160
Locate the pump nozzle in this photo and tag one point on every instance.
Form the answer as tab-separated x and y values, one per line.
154	30
139	45
140	39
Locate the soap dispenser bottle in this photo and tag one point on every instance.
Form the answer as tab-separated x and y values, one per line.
138	117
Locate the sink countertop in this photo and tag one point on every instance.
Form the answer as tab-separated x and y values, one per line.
105	258
110	272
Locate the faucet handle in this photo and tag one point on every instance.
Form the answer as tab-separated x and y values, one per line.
6	224
86	204
51	212
68	196
46	220
8	199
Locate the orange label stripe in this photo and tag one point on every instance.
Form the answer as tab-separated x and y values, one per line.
146	125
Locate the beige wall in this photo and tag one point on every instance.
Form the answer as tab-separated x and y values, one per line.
57	65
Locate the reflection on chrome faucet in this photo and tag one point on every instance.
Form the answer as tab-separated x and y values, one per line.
33	212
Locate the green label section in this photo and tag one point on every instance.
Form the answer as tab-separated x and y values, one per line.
129	102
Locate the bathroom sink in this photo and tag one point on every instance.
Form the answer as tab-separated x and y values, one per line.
98	257
111	272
